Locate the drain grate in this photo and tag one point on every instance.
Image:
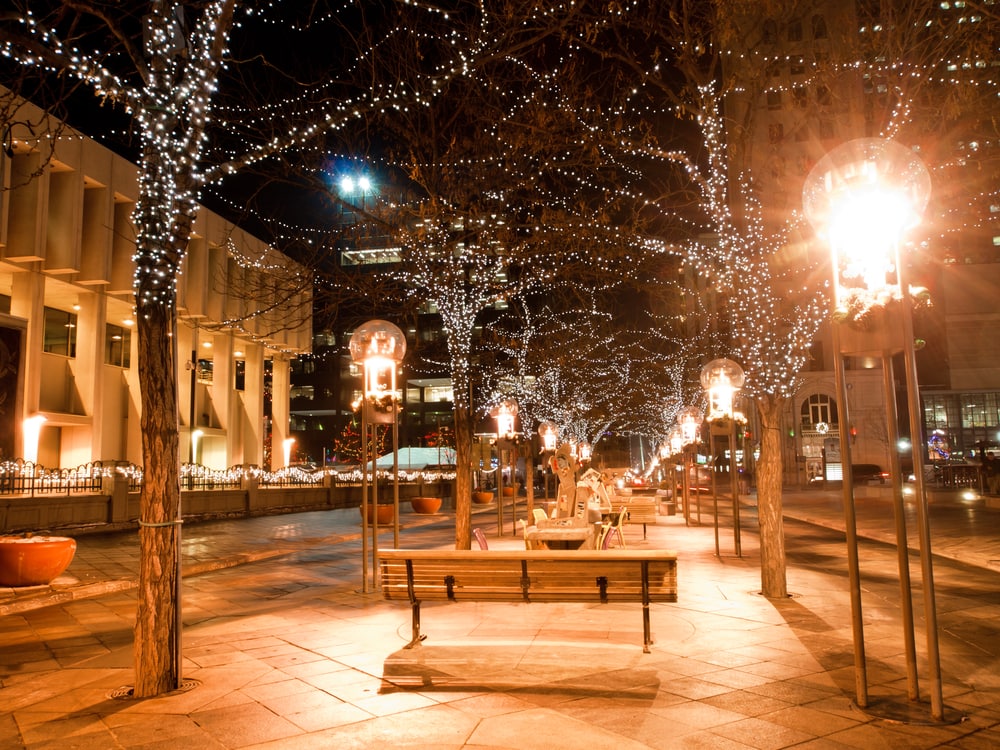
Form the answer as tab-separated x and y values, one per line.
127	692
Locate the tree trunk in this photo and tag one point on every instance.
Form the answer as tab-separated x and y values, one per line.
157	640
769	487
463	478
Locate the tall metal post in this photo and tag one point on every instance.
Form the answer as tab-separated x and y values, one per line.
851	529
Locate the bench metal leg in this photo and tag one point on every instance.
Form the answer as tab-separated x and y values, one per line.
647	639
415	636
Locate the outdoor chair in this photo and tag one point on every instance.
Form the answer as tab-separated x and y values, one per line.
480	537
528	544
539	515
614	529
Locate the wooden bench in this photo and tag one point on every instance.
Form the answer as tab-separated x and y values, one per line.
604	576
638	508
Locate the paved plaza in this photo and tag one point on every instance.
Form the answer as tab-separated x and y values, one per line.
283	649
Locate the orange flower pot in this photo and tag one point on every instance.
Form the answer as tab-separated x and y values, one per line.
35	560
425	505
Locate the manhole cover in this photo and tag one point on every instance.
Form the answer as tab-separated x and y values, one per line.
127	692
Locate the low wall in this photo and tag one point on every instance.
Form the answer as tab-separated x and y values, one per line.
79	513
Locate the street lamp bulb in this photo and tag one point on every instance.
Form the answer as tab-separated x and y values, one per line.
347	184
364	183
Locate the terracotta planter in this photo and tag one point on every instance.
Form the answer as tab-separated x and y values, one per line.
35	560
425	505
383	515
482	497
511	491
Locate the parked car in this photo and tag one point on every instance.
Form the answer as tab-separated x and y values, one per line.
867	473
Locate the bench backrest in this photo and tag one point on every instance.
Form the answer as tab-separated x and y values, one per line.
640	509
529	575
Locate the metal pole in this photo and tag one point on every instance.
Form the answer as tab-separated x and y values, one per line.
499	486
735	488
851	529
923	525
395	474
364	495
902	549
715	494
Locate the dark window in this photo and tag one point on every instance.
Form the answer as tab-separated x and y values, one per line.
117	346
770	31
823	94
795	31
774	100
800	96
819	27
776	132
60	332
240	370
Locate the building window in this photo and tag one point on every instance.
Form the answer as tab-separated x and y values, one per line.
795	31
823	94
776	132
819	409
800	96
117	346
774	100
60	332
770	31
819	27
240	374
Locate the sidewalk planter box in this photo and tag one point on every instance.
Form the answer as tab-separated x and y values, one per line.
482	497
425	505
34	560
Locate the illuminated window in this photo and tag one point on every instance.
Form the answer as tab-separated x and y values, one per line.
117	346
60	332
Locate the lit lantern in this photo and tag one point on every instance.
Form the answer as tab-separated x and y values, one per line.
722	379
505	413
549	434
380	345
689	421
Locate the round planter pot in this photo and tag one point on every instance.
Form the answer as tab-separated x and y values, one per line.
425	505
383	515
34	561
510	491
482	498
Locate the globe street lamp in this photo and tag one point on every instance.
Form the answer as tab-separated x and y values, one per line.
379	345
862	198
505	414
689	422
548	432
722	379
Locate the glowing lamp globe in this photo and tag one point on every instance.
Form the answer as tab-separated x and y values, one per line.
862	197
380	346
721	379
549	434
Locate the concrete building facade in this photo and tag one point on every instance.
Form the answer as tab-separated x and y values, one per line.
69	387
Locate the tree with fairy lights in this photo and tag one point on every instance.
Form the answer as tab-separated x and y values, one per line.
207	102
510	188
749	80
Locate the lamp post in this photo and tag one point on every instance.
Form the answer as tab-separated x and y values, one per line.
379	345
862	198
689	421
505	413
722	379
549	434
